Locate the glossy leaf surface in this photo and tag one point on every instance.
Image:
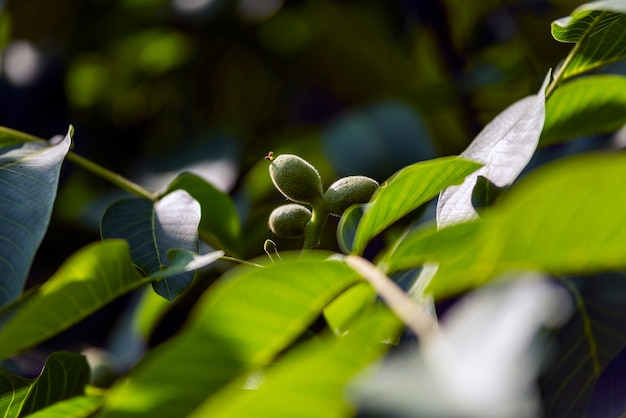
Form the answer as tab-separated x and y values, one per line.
64	375
599	30
29	176
88	280
561	219
241	323
153	229
407	190
585	106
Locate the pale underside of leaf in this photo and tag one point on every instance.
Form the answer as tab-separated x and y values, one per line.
29	175
504	146
153	229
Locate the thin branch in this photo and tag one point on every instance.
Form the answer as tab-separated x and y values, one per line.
414	315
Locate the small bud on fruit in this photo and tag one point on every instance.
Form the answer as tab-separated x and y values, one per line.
290	220
296	179
349	191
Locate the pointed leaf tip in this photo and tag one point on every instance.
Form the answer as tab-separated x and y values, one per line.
504	146
29	176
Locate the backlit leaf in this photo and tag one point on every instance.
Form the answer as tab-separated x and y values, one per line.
87	280
599	30
76	407
561	219
241	323
314	375
585	106
407	190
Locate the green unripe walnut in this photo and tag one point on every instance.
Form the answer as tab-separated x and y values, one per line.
296	179
289	221
349	191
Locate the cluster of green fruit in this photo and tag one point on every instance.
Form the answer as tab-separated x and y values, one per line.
301	183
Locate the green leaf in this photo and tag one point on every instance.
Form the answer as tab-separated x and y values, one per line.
407	190
455	244
152	229
599	30
182	261
242	322
585	106
504	147
340	313
348	224
76	407
311	380
219	215
586	345
87	280
29	176
561	219
64	375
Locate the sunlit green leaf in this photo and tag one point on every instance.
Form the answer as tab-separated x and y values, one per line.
585	106
348	225
219	215
64	375
348	305
88	280
561	219
152	229
456	243
242	322
29	175
76	407
599	30
406	190
310	382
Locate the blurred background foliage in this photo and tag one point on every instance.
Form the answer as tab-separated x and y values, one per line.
156	87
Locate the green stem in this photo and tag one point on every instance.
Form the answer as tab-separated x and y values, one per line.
240	261
88	165
558	78
114	178
313	230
